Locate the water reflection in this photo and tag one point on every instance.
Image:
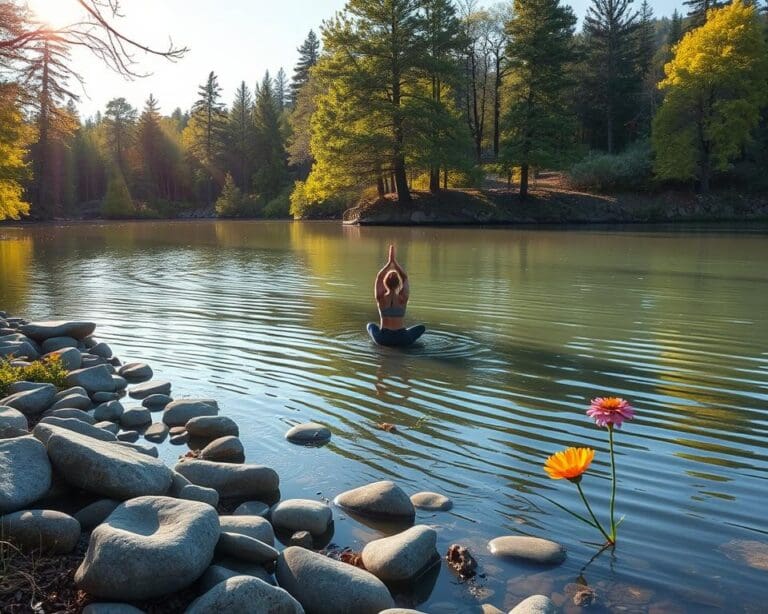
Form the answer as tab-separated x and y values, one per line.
524	327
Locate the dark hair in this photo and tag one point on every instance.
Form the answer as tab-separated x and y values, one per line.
393	280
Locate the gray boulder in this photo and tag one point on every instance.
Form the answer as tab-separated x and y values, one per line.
384	499
129	436
178	413
120	382
102	350
48	426
224	450
111	410
431	501
40	331
252	526
105	397
71	358
69	392
227	568
25	473
156	432
325	586
136	371
18	349
94	379
301	515
135	416
193	492
245	548
97	512
106	469
245	594
149	547
403	556
156	402
47	530
142	448
142	391
112	427
72	401
536	604
231	480
31	402
58	343
69	413
530	549
12	420
212	427
252	508
309	433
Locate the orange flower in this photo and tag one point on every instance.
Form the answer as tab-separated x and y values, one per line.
569	464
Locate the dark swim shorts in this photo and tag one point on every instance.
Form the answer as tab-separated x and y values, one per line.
395	338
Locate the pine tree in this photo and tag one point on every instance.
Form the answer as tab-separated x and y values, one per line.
241	138
697	13
715	87
120	123
612	78
151	148
539	51
281	89
646	51
15	135
208	131
299	152
117	201
675	29
270	146
309	53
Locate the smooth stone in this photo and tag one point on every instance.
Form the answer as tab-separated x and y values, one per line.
156	432
135	416
325	586
73	401
105	469
383	498
536	604
231	480
212	427
135	371
69	392
106	425
67	413
89	360
102	350
58	343
224	450
31	402
245	594
302	539
23	386
245	548
252	508
402	556
120	382
105	397
111	410
94	379
178	413
48	426
156	402
301	515
48	530
129	436
25	473
142	448
228	568
252	526
142	391
71	358
40	331
531	549
179	439
111	608
18	349
193	492
149	547
94	514
177	430
401	611
308	433
431	501
12	419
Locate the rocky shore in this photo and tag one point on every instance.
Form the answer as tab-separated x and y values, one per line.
91	520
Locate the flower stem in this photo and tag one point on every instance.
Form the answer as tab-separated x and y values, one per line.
592	514
613	484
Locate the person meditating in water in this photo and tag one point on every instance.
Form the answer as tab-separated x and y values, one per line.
391	291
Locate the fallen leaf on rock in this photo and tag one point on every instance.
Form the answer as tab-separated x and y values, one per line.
386	426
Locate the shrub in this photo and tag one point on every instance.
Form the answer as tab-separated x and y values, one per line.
233	203
304	208
629	170
117	202
279	206
50	370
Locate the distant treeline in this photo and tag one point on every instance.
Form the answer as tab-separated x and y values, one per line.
398	95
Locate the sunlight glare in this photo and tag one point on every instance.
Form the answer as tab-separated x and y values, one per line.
56	13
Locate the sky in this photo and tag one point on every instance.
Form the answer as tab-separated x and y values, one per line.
237	39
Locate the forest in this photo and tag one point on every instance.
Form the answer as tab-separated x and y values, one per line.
392	97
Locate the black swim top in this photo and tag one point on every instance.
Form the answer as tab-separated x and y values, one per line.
393	311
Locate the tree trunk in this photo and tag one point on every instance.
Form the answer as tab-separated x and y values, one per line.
496	107
445	178
398	155
380	185
523	181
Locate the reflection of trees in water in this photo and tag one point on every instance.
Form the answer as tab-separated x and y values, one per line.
15	260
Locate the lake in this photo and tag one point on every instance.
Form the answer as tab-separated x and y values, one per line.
525	326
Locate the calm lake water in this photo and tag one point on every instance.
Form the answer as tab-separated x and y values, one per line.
524	328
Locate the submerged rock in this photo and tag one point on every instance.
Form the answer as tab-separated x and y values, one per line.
25	473
530	549
536	604
402	556
309	433
431	501
384	499
149	547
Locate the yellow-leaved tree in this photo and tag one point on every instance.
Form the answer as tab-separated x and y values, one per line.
715	86
15	135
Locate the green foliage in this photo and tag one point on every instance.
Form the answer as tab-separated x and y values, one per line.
280	206
715	87
118	202
233	203
50	370
271	172
303	206
629	170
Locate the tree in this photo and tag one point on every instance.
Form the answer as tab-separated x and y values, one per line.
612	76
304	107
540	48
498	40
281	89
117	202
120	123
153	151
675	29
241	137
715	87
208	131
697	13
309	53
646	51
15	134
270	146
477	68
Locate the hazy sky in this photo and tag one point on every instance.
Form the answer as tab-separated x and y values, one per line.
237	39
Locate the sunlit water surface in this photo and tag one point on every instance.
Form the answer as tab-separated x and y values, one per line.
525	327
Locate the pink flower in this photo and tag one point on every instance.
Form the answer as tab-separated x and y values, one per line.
610	411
